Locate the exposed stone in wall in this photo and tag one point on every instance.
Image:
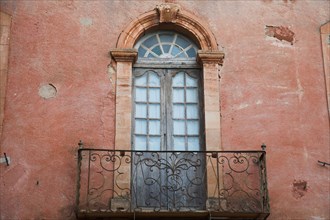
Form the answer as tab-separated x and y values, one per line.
112	76
280	33
47	91
299	188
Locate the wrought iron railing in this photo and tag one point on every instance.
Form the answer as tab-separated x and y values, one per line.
122	181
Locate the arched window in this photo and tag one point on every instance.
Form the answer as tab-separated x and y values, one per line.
167	100
166	44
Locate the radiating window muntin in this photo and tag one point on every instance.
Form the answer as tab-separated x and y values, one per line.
166	45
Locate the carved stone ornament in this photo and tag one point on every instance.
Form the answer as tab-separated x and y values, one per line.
168	12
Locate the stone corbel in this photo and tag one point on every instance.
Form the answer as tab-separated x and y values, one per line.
210	57
168	12
124	55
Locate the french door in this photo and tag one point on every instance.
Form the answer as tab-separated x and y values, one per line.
168	170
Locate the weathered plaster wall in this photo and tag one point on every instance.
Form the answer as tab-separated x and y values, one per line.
60	90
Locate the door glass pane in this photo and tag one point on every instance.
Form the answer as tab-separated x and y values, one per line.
178	111
141	110
140	142
154	143
178	95
140	126
192	127
192	95
154	95
154	110
154	79
154	127
178	80
141	80
179	143
192	111
191	82
141	94
178	127
193	143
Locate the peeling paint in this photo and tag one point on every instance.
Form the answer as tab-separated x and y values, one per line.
242	106
299	188
281	33
86	21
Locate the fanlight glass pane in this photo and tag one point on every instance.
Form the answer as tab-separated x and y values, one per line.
157	50
166	44
166	37
175	50
182	42
149	42
191	52
166	48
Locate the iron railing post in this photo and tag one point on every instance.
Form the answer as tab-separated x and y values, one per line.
80	144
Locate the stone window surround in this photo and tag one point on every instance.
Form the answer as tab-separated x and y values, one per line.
5	23
325	39
209	56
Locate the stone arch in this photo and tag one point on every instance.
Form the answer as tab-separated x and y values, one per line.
168	14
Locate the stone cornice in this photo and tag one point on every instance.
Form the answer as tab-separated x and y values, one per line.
210	57
124	55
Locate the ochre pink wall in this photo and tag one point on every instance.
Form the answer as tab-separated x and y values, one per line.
272	92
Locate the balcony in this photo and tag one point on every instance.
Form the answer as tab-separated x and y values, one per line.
125	184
